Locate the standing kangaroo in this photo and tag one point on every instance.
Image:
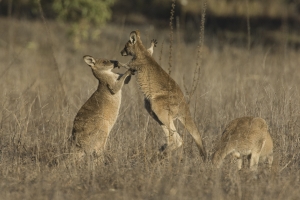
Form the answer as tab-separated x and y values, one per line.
97	116
245	136
164	100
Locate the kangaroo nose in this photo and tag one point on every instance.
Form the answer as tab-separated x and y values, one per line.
123	53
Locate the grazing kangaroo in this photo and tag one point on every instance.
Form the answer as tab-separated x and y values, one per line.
164	100
245	136
97	116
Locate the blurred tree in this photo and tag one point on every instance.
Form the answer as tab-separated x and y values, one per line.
80	14
83	14
95	11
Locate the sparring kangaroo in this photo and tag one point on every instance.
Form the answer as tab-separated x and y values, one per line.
97	116
164	100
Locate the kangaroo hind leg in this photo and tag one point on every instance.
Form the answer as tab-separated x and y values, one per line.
256	154
162	116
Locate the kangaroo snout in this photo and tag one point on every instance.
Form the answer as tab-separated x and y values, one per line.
124	53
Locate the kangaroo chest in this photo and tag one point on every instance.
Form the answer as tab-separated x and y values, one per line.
104	104
147	83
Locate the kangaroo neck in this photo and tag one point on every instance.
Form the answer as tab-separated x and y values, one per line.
139	61
144	63
101	86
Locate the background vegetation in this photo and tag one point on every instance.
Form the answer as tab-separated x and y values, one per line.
44	81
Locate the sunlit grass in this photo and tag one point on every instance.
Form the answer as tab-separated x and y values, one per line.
36	120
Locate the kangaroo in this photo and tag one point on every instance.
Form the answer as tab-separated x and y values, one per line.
97	116
245	136
164	100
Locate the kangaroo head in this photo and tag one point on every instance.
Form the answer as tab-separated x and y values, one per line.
131	47
99	65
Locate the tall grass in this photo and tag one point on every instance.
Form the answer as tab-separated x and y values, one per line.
34	127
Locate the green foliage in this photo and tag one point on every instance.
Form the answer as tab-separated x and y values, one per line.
95	11
83	14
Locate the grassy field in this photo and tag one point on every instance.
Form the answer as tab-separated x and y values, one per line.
44	82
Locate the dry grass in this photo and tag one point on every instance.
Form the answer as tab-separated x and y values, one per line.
253	8
36	120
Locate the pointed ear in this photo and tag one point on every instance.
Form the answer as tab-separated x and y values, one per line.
138	33
132	37
89	60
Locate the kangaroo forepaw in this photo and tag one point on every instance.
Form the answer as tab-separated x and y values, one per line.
132	71
154	41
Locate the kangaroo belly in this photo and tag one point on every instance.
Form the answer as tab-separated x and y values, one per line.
96	110
154	81
111	109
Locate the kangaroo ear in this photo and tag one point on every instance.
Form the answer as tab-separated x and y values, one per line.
138	34
132	37
89	60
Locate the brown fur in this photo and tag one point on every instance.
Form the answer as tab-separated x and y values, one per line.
97	116
247	136
164	99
